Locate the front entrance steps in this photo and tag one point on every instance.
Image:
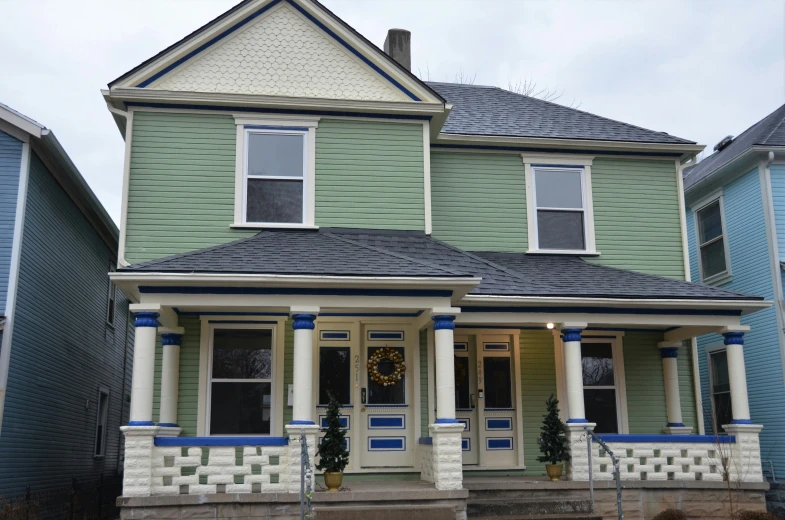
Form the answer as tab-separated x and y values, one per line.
526	498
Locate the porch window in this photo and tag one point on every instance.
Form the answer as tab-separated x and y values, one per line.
498	383
391	394
712	242
560	201
599	386
462	385
241	382
720	390
334	374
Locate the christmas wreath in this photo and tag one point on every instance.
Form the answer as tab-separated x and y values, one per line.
386	354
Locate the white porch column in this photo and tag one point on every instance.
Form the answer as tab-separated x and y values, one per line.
141	413
573	370
737	376
444	354
669	351
170	376
304	317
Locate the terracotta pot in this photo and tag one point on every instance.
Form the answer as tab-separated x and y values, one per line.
333	481
554	471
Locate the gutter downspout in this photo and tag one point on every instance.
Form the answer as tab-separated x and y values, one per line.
129	120
13	274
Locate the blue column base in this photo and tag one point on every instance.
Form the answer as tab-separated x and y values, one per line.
447	421
576	421
168	425
141	423
675	425
741	421
303	423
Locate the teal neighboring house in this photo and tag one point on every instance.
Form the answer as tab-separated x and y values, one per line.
735	200
65	358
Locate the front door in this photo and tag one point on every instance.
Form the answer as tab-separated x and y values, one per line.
466	397
387	397
497	390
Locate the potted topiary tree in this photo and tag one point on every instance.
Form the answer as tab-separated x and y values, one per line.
553	441
332	450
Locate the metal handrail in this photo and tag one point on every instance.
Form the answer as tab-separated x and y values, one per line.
306	477
616	471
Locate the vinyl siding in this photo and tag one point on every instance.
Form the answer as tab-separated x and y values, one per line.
370	175
181	187
424	431
10	161
478	201
778	196
538	382
62	349
751	271
636	216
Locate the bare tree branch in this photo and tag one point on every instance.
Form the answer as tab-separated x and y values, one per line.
528	87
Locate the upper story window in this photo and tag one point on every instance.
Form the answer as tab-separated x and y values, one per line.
712	242
111	299
275	173
560	213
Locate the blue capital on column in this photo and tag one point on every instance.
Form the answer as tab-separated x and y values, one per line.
303	321
443	322
669	352
571	334
170	338
146	319
734	338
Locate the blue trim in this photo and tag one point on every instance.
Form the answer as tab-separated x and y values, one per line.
386	443
221	441
354	51
146	319
244	321
466	445
577	421
607	310
460	347
168	425
467	424
669	352
170	338
612	329
447	421
553	150
374	314
427	441
741	421
303	423
304	291
213	313
734	338
570	166
304	321
675	425
141	423
387	406
498	443
443	322
344	420
387	422
498	423
492	347
385	334
263	127
571	335
500	409
342	406
334	335
616	437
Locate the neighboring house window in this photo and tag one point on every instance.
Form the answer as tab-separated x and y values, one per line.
241	379
102	416
559	202
275	174
720	389
599	386
111	299
712	242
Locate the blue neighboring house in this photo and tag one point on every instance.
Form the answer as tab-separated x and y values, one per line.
65	358
735	206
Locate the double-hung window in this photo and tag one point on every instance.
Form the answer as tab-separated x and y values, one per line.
712	242
600	389
722	413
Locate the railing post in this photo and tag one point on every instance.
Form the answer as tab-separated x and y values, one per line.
616	470
305	479
591	469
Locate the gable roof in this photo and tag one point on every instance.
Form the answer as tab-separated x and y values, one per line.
492	111
264	5
365	252
769	131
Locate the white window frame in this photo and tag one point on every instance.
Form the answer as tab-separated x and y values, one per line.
102	390
710	351
725	276
209	387
280	125
532	163
111	299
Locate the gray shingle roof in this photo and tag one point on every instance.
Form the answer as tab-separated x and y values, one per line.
769	131
481	110
342	252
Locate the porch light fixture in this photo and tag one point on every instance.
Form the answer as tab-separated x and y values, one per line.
549	325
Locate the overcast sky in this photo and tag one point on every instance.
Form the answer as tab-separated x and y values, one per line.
696	69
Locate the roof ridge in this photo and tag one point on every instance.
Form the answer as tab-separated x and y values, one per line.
782	120
392	253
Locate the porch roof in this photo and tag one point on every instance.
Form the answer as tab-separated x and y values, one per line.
381	253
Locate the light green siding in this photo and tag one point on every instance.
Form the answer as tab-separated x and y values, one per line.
370	175
478	200
424	432
636	215
538	382
689	409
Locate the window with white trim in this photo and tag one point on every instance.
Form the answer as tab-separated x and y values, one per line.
599	386
111	298
712	241
560	208
101	420
722	412
241	381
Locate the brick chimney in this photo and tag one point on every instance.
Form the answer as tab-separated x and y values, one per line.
398	46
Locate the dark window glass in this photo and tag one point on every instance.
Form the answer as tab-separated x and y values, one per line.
391	394
274	201
498	383
710	222
462	389
334	374
279	155
242	354
560	230
720	389
240	408
103	417
712	244
597	361
713	258
601	409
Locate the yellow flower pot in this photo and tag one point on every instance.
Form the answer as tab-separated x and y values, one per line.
554	471
333	481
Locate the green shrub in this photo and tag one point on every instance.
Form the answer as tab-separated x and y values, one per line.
670	514
755	515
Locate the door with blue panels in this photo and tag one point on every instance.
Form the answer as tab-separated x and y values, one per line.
387	397
466	397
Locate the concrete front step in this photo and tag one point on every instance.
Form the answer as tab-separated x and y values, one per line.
524	507
539	517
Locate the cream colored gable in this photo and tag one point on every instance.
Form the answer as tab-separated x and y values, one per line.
281	54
